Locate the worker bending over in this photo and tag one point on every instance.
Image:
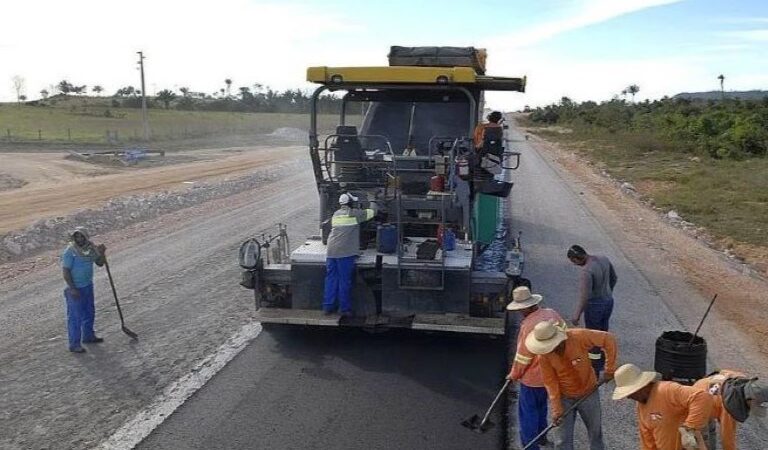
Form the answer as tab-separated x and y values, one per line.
669	415
735	397
598	278
532	402
568	376
342	250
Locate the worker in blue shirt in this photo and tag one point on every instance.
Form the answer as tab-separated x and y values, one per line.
77	264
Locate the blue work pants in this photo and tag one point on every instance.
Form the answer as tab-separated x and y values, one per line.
81	314
338	283
597	316
532	413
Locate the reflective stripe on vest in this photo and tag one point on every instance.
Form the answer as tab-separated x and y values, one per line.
522	359
343	221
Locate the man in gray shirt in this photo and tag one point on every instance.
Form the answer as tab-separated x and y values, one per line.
595	295
342	250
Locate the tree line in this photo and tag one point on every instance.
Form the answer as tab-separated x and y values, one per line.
730	128
253	98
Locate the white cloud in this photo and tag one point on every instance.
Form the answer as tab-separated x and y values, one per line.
581	14
760	35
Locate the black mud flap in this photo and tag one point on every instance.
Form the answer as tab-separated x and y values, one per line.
248	280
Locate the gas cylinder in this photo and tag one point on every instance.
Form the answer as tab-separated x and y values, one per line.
437	183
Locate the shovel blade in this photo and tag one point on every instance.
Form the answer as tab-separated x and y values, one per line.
130	334
476	424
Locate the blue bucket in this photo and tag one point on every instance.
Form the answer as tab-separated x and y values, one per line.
449	240
386	238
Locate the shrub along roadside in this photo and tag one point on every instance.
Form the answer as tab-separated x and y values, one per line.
729	197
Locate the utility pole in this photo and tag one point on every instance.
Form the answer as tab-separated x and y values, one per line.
144	116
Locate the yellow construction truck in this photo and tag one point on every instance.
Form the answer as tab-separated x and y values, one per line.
439	255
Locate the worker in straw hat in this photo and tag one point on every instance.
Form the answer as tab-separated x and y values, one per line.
735	397
669	414
532	401
568	377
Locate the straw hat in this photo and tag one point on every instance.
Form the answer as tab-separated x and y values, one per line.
522	298
630	379
544	338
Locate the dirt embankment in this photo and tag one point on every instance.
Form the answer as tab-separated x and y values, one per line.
69	190
62	194
653	237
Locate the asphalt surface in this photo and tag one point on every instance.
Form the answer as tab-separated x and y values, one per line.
342	389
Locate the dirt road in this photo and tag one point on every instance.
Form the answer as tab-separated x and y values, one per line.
58	186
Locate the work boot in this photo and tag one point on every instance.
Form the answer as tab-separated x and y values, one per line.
77	350
94	340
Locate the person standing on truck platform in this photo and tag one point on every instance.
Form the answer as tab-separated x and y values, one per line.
670	416
494	121
598	279
532	402
77	267
568	376
342	250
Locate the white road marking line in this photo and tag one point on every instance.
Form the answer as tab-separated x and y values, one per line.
174	395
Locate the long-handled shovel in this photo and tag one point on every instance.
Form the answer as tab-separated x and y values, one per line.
125	329
565	413
481	426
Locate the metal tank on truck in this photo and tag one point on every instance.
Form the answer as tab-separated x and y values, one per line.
438	255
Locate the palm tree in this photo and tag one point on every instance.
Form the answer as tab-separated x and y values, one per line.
624	93
228	82
633	89
44	94
722	85
166	96
98	90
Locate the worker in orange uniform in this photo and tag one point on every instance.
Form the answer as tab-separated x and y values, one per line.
670	415
568	376
712	385
717	385
532	401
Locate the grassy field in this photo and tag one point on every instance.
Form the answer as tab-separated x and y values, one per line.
93	121
729	198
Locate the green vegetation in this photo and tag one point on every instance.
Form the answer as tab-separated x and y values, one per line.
89	120
706	160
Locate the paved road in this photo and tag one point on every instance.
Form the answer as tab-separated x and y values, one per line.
329	390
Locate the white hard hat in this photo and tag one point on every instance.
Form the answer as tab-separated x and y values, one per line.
344	199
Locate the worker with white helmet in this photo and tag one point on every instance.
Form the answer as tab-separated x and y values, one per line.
343	249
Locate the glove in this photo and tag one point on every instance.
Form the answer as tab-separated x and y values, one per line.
688	438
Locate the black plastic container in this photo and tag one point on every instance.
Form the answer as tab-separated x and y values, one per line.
677	359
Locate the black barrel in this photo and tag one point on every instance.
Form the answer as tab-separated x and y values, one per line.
677	359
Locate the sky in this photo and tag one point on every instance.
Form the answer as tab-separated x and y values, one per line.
583	49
